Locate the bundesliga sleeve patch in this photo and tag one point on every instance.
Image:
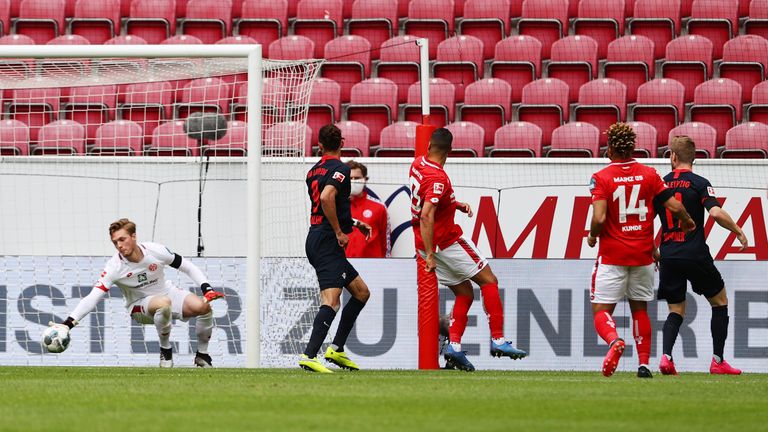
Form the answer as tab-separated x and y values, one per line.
711	191
592	184
438	188
339	176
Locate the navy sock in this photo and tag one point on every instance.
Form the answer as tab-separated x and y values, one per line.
670	331
719	328
348	318
320	327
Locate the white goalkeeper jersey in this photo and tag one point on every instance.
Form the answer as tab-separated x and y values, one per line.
141	279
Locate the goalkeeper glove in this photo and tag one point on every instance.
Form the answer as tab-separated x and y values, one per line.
209	294
69	322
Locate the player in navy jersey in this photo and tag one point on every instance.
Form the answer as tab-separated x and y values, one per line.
328	184
686	257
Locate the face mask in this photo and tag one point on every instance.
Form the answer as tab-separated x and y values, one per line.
357	187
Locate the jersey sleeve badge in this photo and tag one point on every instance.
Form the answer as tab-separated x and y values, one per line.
438	188
339	176
711	190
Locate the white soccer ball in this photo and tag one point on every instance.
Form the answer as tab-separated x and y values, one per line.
56	338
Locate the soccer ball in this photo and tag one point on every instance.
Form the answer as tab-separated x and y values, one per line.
56	338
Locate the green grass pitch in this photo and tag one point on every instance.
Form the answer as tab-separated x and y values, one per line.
143	399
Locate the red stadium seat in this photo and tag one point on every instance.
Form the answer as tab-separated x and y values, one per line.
758	109
658	20
602	102
431	19
545	104
41	20
717	103
574	61
14	138
90	106
292	48
68	40
702	134
169	139
602	21
182	40
265	21
487	103
487	20
96	20
318	20
442	102
745	59
399	62
203	94
5	17
16	69
460	61
397	140
517	61
746	140
757	22
630	60
646	140
357	139
118	138
234	143
237	40
152	20
575	139
147	104
660	102
35	107
62	137
324	105
374	20
546	20
126	40
689	61
468	139
274	102
285	139
717	20
348	61
517	139
374	103
208	20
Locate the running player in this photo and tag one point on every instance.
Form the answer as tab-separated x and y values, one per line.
622	216
686	257
455	259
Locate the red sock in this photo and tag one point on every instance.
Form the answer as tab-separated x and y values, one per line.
493	309
641	329
605	326
459	318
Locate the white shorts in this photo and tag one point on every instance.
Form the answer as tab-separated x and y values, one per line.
612	283
139	309
458	262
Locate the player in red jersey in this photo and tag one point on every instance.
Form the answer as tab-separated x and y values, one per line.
455	259
623	195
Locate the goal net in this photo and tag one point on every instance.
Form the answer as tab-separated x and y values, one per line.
169	137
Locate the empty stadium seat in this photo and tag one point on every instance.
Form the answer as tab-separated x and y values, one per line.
14	138
460	61
237	40
658	20
397	140
182	40
546	20
517	60
324	105
431	19
147	104
90	106
35	107
203	94
233	143
517	139
118	138
758	109
265	21
660	102
630	60
717	103
575	139
487	20
468	139
374	103
126	40
151	20
602	102
574	61
5	17
442	102
745	59
602	21
374	20
292	48
318	20
96	20
646	141
15	69
746	140
689	61
399	63
208	20
545	104
357	139
348	61
757	22
717	20
61	137
41	20
68	40
702	134
487	104
169	139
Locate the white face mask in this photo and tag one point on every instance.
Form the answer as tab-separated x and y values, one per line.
357	187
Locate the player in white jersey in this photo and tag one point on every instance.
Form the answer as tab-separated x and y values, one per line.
138	269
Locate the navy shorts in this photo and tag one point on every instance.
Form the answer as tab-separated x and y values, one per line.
674	275
329	260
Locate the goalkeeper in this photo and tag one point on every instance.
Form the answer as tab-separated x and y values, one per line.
138	269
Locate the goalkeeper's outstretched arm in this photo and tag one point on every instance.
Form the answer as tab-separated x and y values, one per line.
198	277
86	305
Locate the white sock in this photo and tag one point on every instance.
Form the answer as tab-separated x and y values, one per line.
162	319
456	346
498	341
204	328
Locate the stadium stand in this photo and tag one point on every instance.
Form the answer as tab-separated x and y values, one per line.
517	139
